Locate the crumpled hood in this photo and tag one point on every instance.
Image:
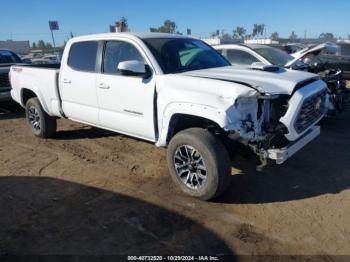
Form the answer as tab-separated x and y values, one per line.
282	81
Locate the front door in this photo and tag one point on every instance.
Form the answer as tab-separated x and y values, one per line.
126	102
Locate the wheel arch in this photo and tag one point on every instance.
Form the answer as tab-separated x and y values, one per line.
180	116
28	93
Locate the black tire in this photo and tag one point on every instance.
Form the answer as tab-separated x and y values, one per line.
42	125
215	158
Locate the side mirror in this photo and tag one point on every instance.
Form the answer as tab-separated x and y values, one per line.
132	68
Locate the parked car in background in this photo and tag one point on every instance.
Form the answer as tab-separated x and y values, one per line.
42	58
36	54
246	55
292	47
325	56
324	48
7	59
340	62
51	57
304	60
43	61
178	92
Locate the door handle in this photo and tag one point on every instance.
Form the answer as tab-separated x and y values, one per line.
103	86
67	81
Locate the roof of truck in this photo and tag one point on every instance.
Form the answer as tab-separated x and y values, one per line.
132	34
251	46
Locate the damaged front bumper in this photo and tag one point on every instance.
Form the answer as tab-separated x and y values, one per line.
282	154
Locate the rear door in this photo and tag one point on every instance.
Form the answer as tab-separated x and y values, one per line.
126	102
78	83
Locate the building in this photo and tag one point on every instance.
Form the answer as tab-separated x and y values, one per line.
19	47
266	41
219	40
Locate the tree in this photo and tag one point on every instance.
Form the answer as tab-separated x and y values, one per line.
258	29
255	30
274	36
239	32
168	27
293	37
48	46
261	29
41	45
122	25
226	37
326	36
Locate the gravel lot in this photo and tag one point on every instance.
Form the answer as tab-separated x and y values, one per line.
89	191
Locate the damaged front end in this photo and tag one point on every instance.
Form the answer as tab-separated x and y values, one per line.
257	122
277	126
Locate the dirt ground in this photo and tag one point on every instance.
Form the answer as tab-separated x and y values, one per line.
89	191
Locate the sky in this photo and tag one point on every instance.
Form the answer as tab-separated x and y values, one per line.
28	19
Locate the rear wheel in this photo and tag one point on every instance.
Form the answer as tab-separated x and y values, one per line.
41	123
199	163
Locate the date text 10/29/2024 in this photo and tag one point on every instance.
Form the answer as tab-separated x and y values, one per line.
173	258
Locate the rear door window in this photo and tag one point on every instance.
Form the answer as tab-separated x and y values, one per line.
82	56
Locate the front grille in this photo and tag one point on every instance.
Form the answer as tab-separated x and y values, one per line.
4	81
312	109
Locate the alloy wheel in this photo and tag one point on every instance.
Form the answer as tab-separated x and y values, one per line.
190	166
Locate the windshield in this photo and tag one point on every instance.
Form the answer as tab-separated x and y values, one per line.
7	57
274	56
176	55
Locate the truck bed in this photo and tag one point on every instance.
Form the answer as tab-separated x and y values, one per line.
39	79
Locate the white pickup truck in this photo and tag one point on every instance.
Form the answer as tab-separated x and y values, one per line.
178	92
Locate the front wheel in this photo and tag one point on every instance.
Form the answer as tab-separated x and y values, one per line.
41	123
199	163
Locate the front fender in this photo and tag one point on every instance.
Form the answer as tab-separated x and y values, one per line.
204	111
